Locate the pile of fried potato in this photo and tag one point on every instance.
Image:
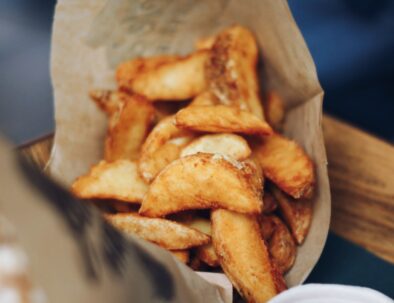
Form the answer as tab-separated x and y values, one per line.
187	152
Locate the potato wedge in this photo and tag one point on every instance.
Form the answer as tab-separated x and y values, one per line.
230	145
115	180
181	255
286	164
177	80
281	245
165	233
296	213
128	71
159	150
244	256
231	70
221	119
270	204
205	42
274	110
205	99
126	135
197	182
201	224
107	100
267	227
207	254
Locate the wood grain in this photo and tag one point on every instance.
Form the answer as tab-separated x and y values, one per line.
361	171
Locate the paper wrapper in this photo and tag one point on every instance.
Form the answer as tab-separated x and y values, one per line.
90	37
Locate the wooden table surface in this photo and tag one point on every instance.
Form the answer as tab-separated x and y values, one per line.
361	172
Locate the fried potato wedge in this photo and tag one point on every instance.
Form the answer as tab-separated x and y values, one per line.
205	99
126	135
267	227
296	213
111	180
162	146
281	245
177	80
230	145
244	256
205	43
270	203
165	233
286	164
108	101
207	254
128	71
231	70
197	182
201	224
274	110
181	255
221	119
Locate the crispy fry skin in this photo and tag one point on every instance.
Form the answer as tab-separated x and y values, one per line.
281	245
107	100
243	255
197	182
115	180
286	164
181	255
274	110
126	135
159	150
230	145
270	203
128	71
221	119
166	233
296	213
231	70
177	80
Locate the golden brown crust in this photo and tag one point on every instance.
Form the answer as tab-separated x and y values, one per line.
286	164
165	233
296	213
114	180
158	151
231	70
128	71
221	119
197	182
244	256
176	80
126	135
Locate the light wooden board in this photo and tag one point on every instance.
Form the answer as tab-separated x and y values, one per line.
361	171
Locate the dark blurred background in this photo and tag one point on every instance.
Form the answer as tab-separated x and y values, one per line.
352	43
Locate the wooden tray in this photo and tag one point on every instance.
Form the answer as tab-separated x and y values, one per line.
361	172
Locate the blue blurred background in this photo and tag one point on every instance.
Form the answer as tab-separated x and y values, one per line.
352	43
